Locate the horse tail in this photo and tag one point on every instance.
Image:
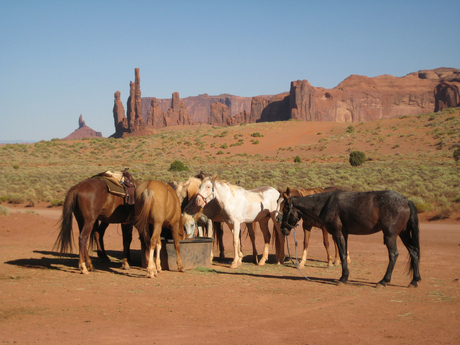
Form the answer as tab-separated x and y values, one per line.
414	234
64	241
145	205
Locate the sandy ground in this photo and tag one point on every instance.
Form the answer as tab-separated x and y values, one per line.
44	299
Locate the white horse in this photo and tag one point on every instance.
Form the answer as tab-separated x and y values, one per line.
211	217
243	206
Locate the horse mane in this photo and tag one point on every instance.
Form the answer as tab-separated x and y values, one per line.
188	188
233	187
303	191
311	191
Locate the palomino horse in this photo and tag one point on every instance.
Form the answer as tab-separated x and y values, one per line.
186	191
157	204
343	213
242	206
307	225
91	203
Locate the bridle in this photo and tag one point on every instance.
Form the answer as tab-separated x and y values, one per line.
286	223
290	227
205	200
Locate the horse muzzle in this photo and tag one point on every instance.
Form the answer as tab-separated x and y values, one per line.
285	231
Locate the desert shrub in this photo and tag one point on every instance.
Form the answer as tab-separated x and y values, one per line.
4	211
178	166
443	213
256	135
297	159
456	154
55	203
16	199
255	142
350	129
357	158
420	204
220	152
224	146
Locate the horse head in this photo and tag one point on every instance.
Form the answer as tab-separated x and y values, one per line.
206	192
289	216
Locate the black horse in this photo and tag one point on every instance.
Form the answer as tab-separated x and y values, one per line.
343	213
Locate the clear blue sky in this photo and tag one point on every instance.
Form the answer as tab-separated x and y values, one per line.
63	58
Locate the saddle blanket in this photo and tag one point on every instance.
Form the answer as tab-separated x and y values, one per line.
113	182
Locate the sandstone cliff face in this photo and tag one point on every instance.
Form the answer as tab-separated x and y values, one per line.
177	114
356	99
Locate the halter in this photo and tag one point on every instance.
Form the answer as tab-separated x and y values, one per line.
210	195
296	219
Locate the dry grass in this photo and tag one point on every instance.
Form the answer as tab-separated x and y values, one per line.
411	155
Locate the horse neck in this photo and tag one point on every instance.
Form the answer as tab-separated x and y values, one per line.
311	204
224	194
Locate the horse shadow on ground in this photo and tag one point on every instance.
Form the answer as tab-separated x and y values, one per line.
69	262
291	263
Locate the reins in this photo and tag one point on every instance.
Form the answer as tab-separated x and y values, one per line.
297	261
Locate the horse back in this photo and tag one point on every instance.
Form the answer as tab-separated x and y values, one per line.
163	203
366	212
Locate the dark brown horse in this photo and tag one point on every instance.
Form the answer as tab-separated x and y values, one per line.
343	213
94	209
308	224
157	207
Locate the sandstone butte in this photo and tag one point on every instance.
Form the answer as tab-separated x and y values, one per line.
355	99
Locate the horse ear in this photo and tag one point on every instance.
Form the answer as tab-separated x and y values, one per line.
288	191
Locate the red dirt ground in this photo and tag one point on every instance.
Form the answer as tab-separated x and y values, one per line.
44	299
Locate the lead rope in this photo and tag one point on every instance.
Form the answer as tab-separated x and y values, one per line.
295	247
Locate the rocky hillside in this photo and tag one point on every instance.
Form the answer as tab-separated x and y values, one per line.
356	99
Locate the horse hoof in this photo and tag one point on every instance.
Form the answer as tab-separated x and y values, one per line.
339	283
412	286
234	265
379	286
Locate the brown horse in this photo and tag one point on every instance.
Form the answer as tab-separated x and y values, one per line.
157	204
308	223
94	209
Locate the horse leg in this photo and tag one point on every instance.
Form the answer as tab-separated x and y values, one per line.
175	233
154	239
220	238
341	240
279	240
84	263
414	257
157	257
252	236
210	234
337	256
263	223
127	231
237	261
98	232
306	240
393	254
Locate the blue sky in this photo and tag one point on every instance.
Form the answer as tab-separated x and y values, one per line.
60	59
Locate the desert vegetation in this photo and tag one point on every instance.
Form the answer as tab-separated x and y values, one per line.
416	156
